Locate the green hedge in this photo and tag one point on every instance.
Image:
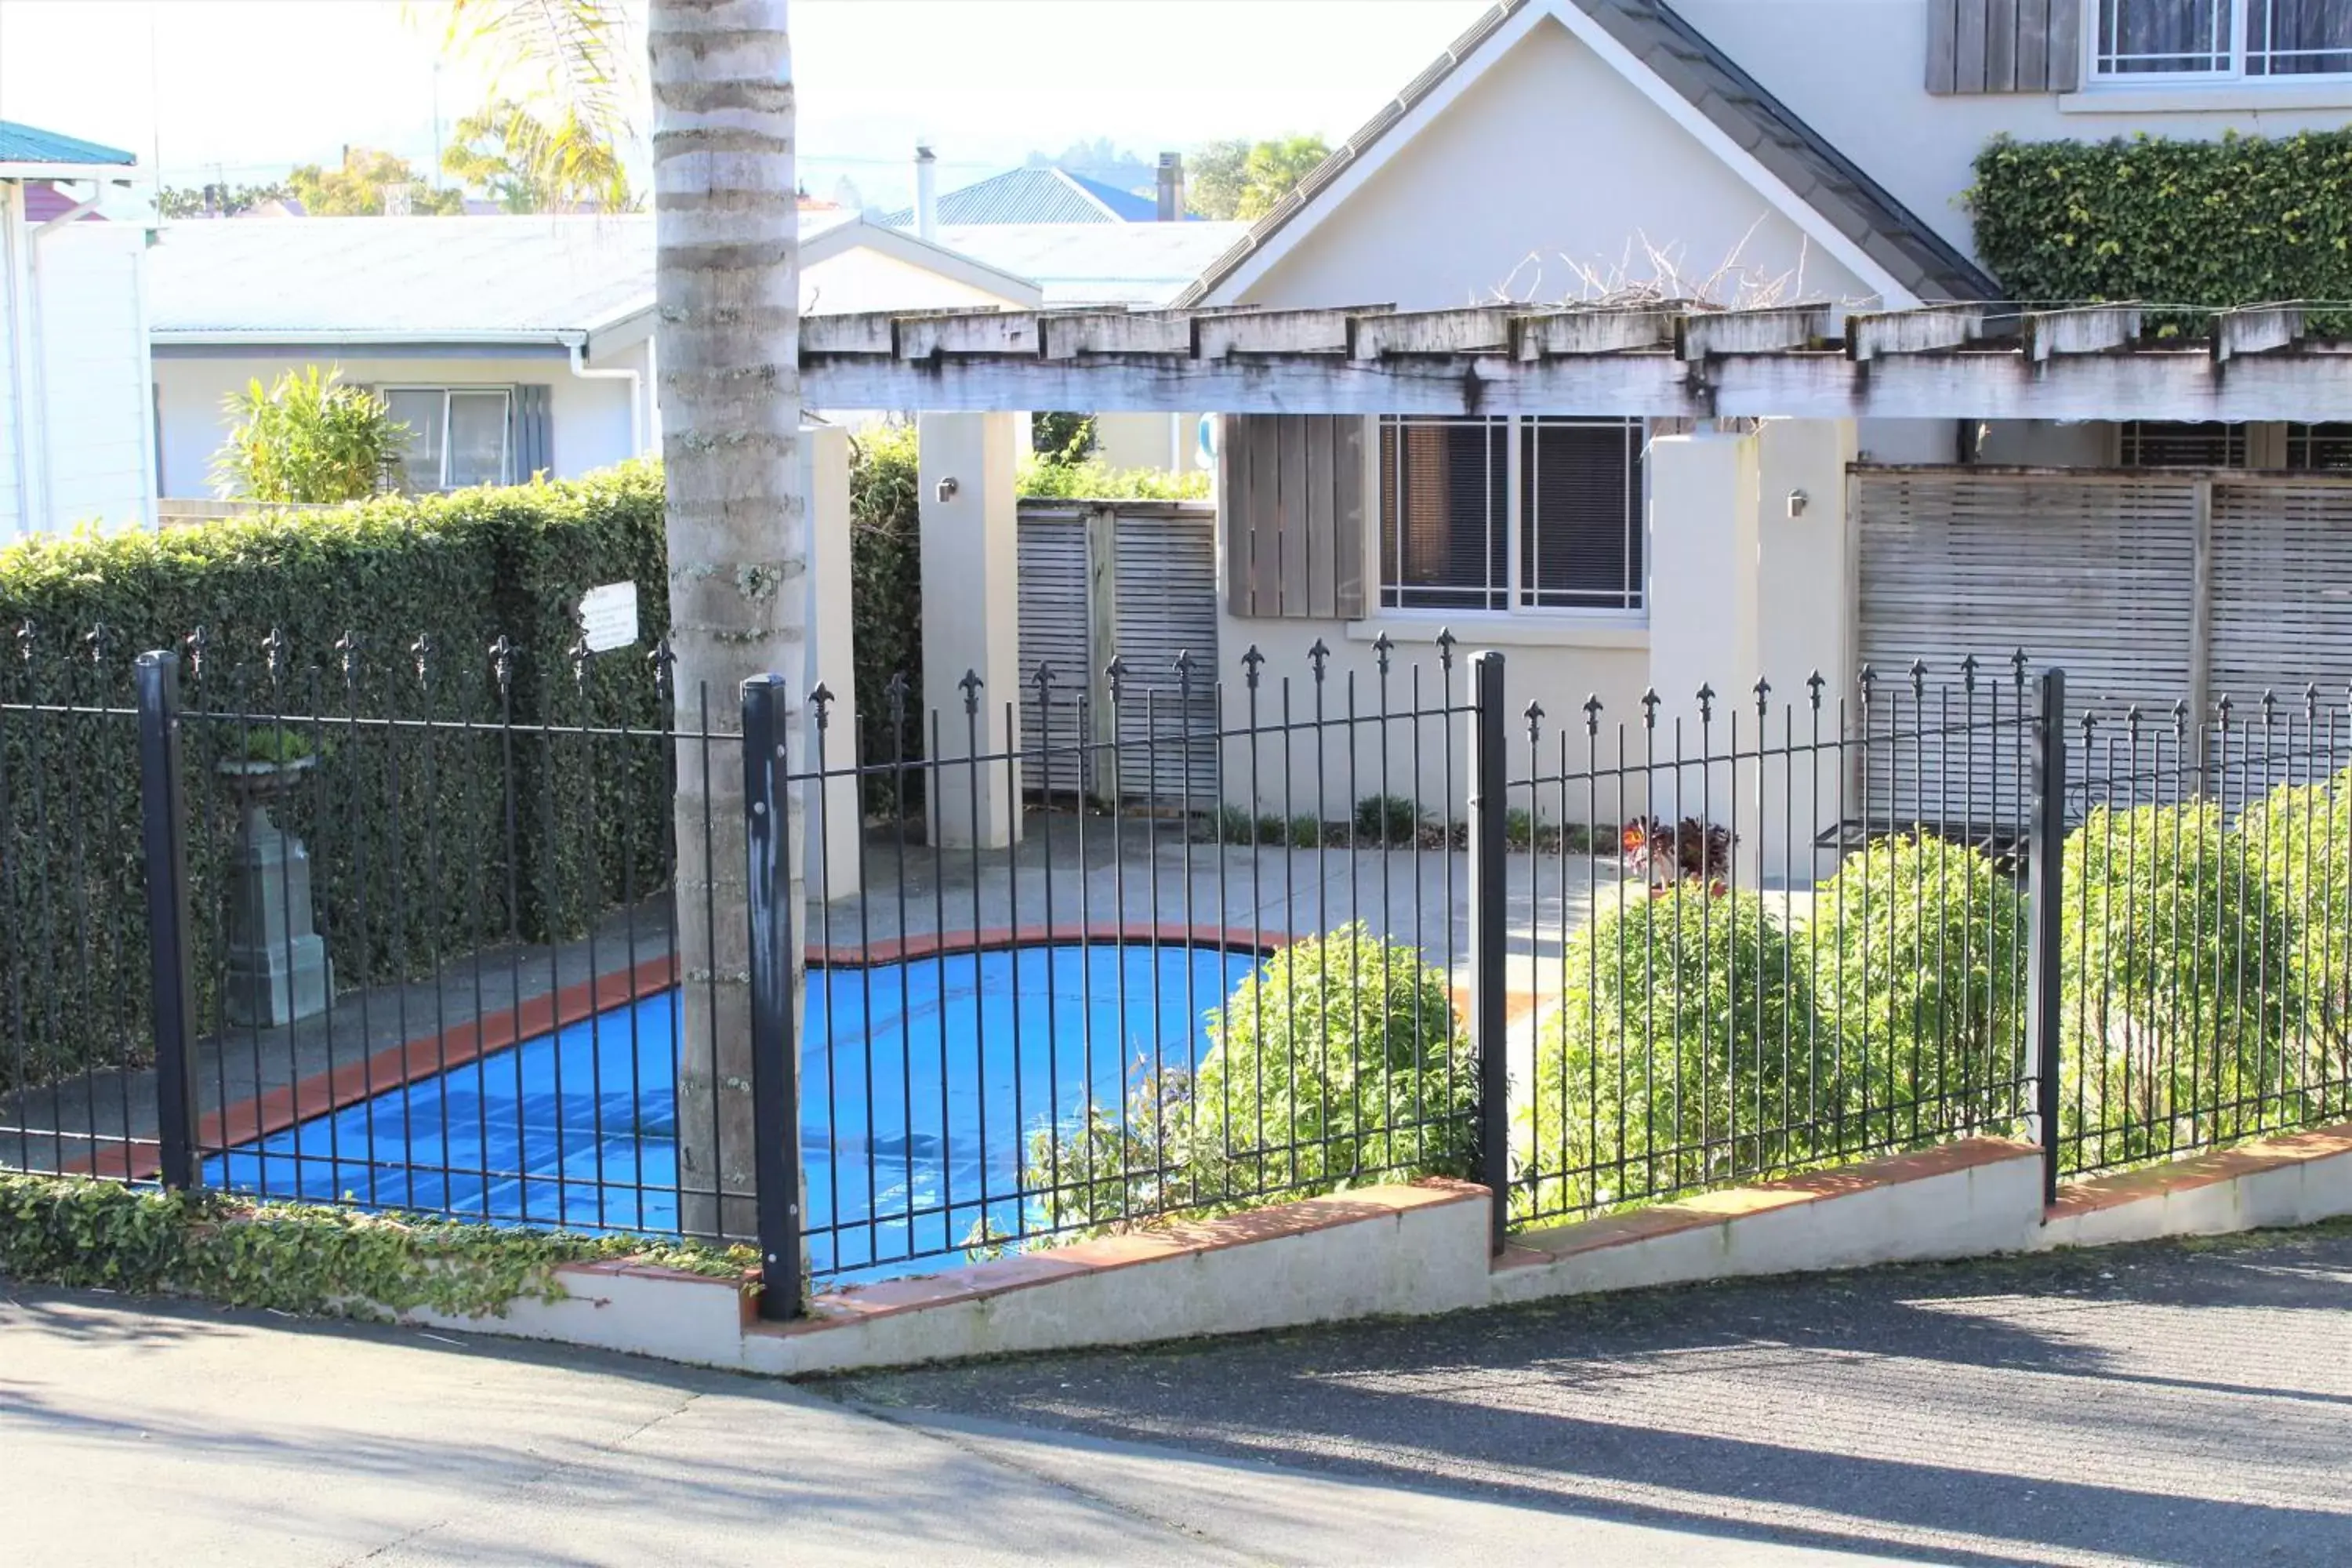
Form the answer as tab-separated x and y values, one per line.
292	1258
419	853
2207	223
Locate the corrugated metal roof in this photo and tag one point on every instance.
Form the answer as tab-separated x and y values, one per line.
23	143
1096	263
1036	195
1821	176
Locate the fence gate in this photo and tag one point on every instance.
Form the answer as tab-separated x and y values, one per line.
1135	582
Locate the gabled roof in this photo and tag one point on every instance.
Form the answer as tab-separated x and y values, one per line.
1711	93
1096	263
1036	196
518	281
29	152
23	143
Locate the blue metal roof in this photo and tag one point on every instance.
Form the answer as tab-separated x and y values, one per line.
21	143
1036	196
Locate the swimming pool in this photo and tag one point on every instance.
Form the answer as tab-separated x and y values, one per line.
921	1084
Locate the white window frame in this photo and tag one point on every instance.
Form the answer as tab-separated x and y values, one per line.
2240	28
1514	566
446	389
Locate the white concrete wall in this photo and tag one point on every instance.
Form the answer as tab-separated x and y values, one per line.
16	499
1550	154
1855	71
863	279
77	375
589	422
1169	441
834	823
971	618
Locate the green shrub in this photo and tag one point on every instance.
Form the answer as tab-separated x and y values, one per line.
1388	819
463	570
2174	975
885	566
1339	1062
2204	223
1917	957
307	439
2301	837
1091	479
1679	1041
292	1258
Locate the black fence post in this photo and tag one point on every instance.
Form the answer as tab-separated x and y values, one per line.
1489	935
775	1049
171	967
2045	905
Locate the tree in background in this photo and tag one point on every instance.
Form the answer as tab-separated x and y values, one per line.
1100	160
1245	179
227	201
529	166
368	184
567	53
307	439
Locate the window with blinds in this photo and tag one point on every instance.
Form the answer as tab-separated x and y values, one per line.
1581	514
2148	444
1511	514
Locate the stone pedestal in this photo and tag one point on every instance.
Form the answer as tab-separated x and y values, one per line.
278	969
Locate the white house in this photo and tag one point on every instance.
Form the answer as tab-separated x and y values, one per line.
509	346
77	427
1426	432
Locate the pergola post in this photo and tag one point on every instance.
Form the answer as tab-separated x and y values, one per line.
971	615
835	820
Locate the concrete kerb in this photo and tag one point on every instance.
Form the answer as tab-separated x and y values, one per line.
1419	1249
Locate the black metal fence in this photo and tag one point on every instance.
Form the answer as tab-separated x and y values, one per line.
428	929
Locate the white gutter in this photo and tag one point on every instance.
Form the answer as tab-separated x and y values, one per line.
271	337
578	344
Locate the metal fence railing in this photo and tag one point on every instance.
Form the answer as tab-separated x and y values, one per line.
427	929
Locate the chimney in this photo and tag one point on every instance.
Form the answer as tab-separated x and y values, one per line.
926	194
1172	187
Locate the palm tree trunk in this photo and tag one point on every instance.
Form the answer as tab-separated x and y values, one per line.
727	343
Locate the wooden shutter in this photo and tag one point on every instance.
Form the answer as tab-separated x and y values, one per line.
531	434
2004	45
1291	494
2282	621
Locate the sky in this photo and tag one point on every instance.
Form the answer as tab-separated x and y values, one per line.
243	89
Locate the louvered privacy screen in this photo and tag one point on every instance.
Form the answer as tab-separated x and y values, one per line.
2004	45
2100	576
1292	491
1162	586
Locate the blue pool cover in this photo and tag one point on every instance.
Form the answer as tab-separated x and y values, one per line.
914	1116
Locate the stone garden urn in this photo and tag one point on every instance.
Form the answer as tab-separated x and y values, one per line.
277	970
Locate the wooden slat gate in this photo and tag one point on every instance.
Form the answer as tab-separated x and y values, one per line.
1135	581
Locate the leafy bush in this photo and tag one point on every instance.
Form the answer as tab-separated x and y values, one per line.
2174	975
2207	224
1667	853
1337	1063
1680	1040
1388	819
294	1258
1917	958
886	568
2300	837
307	439
1091	479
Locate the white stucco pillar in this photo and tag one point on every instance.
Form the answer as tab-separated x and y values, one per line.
970	619
1806	609
835	817
1703	627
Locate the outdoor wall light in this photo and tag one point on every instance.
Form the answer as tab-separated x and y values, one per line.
1797	499
948	487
